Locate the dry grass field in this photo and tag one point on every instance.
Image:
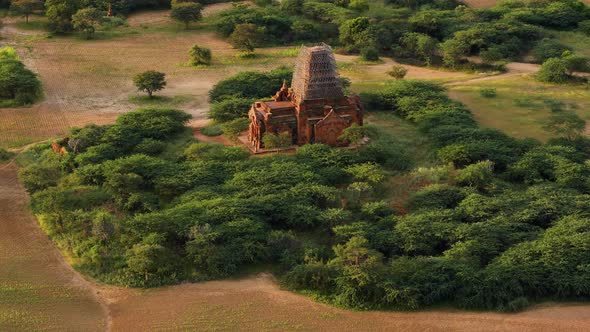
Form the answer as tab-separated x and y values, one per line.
520	108
90	82
39	291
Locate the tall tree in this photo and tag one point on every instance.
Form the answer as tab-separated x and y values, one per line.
186	12
150	81
245	37
25	8
60	12
86	20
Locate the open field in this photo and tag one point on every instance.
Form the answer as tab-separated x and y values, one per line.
38	289
520	107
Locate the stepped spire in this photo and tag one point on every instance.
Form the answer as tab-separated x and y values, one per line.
316	76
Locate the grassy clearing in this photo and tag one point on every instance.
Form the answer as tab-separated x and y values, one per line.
159	101
520	108
578	41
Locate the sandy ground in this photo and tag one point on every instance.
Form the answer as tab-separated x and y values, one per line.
38	289
512	69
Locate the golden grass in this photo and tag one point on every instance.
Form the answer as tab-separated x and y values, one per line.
519	109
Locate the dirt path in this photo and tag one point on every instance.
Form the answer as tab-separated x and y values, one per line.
38	288
512	69
257	303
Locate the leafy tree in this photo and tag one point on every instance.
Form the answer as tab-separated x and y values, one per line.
245	37
353	134
355	33
200	56
478	175
39	177
150	81
397	72
359	5
584	27
60	12
25	8
277	141
548	48
554	70
18	83
250	84
576	63
8	53
5	154
86	20
420	45
230	108
235	127
453	51
149	257
186	12
292	6
370	53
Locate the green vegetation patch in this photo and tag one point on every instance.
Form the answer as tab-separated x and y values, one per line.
485	221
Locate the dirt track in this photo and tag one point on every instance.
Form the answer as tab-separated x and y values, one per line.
38	289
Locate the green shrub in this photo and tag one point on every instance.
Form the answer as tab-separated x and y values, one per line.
17	83
584	27
250	84
488	92
554	70
234	127
199	56
230	108
436	196
370	53
397	72
212	130
5	155
548	48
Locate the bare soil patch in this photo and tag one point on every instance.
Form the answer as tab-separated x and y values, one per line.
38	289
351	68
257	303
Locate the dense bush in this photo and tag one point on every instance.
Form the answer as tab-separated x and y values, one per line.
18	84
136	207
250	84
548	48
554	70
5	155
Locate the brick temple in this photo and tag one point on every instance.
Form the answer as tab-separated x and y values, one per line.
313	110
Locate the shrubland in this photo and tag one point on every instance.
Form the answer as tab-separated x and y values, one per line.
497	223
18	84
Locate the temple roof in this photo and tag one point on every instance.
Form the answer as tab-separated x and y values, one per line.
315	75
